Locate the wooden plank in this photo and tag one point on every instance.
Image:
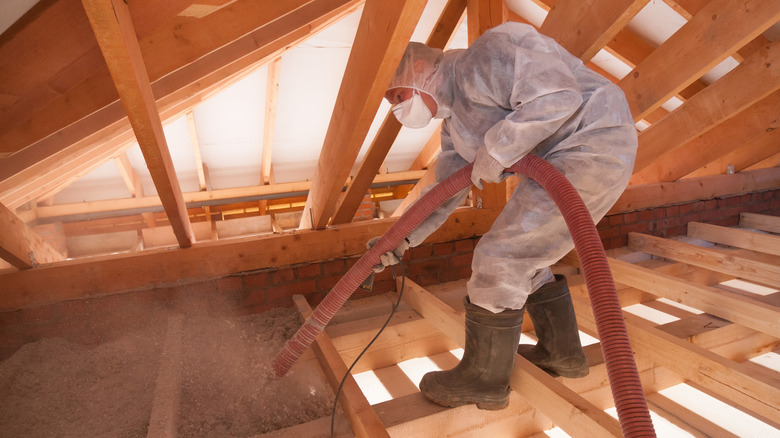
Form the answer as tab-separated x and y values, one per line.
750	82
760	222
482	15
164	418
154	268
371	65
708	258
745	384
735	237
110	19
733	307
196	150
20	245
725	25
564	407
638	197
750	155
686	419
362	417
585	27
427	179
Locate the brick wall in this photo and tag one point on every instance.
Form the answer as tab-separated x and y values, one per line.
98	319
670	221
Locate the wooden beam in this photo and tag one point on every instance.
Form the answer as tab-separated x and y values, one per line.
760	153
751	240
733	307
181	89
427	179
585	27
382	35
750	82
708	258
21	246
744	384
193	129
271	95
292	189
638	197
361	416
564	407
153	268
441	35
116	36
760	222
725	25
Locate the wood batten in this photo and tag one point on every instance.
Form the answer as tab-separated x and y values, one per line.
382	35
442	34
116	37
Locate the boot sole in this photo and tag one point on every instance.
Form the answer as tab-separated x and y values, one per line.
489	405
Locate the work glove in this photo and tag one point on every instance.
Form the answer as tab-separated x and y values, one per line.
486	168
389	258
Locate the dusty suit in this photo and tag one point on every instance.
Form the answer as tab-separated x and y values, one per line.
515	92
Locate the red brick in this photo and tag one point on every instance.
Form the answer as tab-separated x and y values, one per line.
283	276
442	249
464	245
608	233
256	280
640	227
288	290
462	260
333	267
326	283
631	218
710	204
229	284
308	271
659	213
672	211
645	215
615	220
421	252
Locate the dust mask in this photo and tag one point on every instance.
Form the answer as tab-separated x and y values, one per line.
413	113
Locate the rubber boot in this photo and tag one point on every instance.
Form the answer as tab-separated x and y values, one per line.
558	351
482	376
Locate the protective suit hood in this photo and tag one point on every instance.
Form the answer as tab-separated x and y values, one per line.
427	69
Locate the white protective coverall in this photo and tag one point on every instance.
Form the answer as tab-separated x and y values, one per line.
518	92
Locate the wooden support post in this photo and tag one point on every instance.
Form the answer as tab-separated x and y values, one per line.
362	417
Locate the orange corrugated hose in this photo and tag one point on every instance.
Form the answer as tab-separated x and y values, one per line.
627	392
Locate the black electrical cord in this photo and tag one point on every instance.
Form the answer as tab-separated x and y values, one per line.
392	312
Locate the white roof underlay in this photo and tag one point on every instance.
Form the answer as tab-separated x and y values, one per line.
230	123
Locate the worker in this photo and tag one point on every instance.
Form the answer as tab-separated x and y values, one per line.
514	92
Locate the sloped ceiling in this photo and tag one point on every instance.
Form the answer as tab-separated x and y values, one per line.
235	80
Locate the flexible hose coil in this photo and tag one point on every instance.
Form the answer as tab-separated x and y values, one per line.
627	392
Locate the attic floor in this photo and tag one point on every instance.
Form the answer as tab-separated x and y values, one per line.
199	375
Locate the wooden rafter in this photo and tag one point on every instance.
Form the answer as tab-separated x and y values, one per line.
181	89
370	67
754	154
585	27
133	183
753	80
196	150
724	24
116	36
442	34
